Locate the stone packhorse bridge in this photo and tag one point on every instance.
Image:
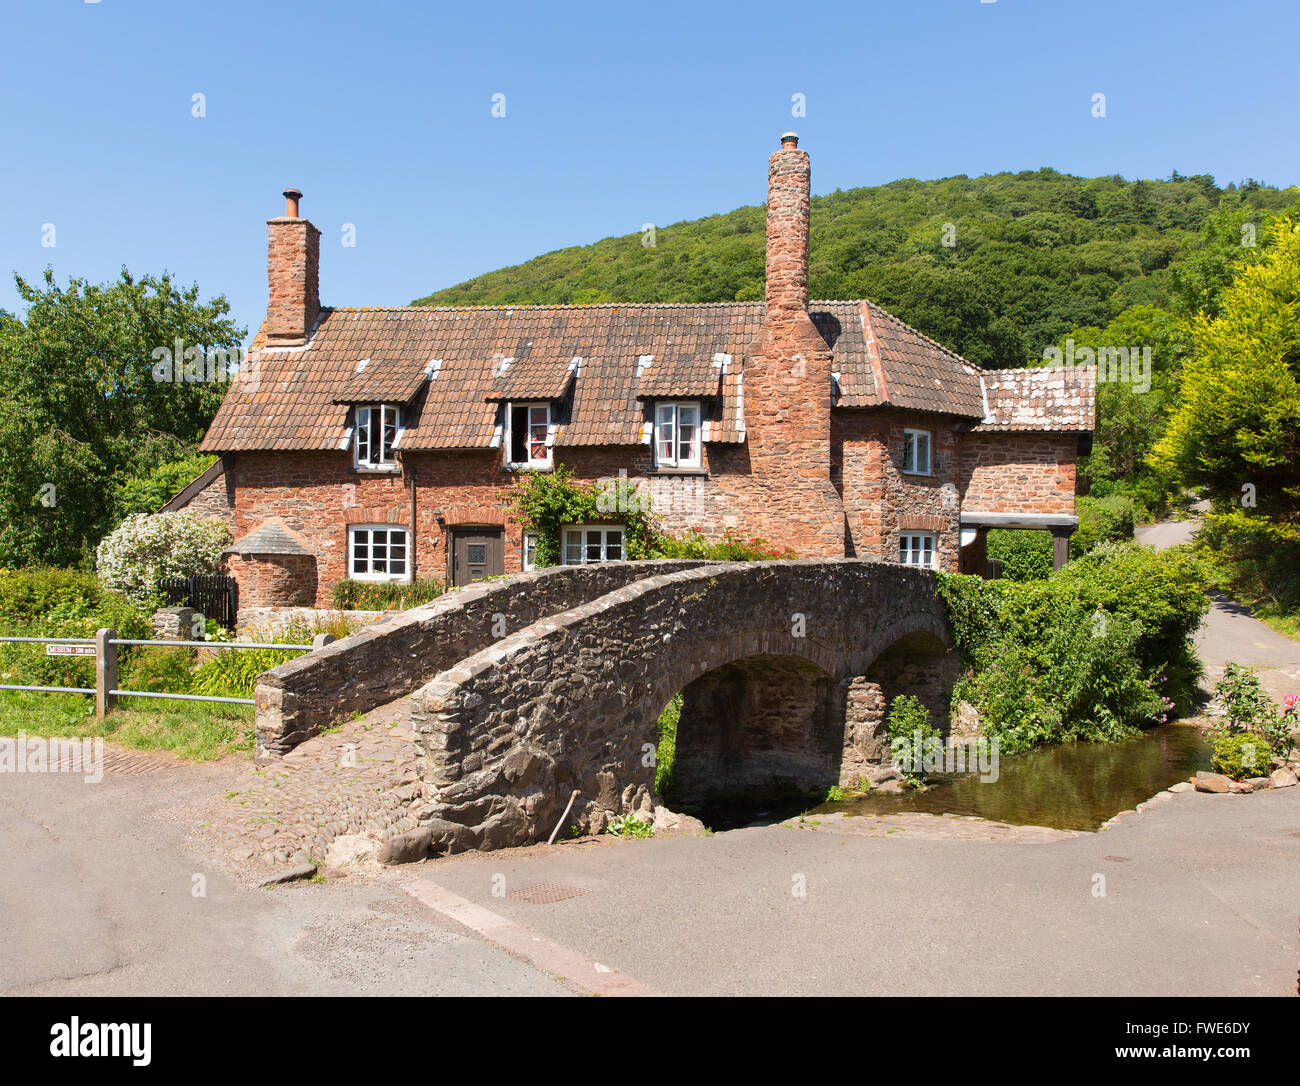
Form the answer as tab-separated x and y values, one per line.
552	682
785	670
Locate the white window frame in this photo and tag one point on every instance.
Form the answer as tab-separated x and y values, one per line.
673	409
531	463
916	469
369	411
370	530
583	558
912	548
528	546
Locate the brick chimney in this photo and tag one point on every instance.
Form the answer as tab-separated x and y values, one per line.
787	375
788	179
293	274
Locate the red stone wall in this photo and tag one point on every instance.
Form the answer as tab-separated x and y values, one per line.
1019	472
880	501
216	501
274	580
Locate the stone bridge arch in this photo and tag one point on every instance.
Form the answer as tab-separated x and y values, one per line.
571	702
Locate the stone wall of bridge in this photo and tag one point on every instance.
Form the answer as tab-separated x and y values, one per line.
767	654
396	655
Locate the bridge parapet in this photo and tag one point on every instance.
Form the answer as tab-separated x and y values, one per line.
572	701
396	655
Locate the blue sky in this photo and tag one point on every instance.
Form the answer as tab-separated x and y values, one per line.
615	115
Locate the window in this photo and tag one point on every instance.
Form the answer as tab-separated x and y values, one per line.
916	452
377	430
585	543
529	552
376	553
527	427
916	549
677	435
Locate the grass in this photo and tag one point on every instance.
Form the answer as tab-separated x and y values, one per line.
195	731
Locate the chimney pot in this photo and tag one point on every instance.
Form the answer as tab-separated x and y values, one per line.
291	198
790	139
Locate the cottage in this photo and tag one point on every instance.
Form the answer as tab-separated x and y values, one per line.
382	443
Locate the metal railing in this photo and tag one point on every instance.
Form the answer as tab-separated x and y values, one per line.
106	643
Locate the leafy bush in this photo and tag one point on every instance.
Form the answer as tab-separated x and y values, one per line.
1254	558
161	671
1248	710
732	547
144	548
667	752
149	492
546	501
1242	754
384	595
630	826
1102	520
1025	554
28	594
909	728
1098	649
74	617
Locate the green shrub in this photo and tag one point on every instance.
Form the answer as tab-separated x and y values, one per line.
161	671
1242	754
732	547
75	616
1098	649
667	752
384	595
1102	520
630	826
27	594
1254	558
909	729
1025	554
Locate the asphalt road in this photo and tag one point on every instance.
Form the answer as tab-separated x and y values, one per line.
97	895
1201	897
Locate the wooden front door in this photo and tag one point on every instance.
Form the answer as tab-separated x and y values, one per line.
477	553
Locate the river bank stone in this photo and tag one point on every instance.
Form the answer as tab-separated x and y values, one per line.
1212	782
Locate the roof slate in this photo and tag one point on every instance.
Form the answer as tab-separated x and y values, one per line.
1050	398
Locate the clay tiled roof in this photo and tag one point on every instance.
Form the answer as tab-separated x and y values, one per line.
1047	398
599	364
881	360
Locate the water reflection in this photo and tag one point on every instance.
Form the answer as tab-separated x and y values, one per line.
1076	786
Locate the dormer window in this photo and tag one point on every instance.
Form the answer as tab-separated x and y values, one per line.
378	428
528	429
677	435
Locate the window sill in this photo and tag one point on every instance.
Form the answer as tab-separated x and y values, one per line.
917	474
678	471
358	469
515	469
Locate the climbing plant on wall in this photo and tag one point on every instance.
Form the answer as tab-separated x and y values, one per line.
546	501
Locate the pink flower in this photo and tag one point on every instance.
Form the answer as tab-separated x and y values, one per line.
1292	700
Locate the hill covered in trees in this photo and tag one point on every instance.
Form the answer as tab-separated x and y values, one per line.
996	267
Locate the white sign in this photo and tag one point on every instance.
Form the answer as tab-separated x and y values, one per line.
69	650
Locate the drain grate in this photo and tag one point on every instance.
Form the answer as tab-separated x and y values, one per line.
545	893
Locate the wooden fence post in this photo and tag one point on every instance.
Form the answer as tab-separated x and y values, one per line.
105	671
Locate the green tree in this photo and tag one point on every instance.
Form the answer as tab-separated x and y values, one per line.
1237	421
81	409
